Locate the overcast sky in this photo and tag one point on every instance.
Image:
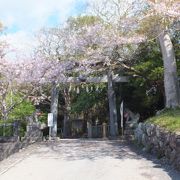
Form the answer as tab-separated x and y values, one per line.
24	17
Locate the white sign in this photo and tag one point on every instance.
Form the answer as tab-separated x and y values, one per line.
121	111
50	119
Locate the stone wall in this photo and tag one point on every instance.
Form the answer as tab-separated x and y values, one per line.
32	135
159	142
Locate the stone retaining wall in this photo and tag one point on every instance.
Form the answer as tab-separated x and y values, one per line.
32	135
159	142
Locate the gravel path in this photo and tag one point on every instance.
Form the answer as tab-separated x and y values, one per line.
83	160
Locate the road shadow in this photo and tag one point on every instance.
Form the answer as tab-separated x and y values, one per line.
93	149
80	149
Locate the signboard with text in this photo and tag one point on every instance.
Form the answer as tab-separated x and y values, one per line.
50	119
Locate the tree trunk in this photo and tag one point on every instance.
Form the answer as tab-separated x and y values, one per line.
112	106
171	85
54	108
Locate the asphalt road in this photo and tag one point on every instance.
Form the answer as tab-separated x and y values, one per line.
84	160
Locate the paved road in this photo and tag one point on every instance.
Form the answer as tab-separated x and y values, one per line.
83	160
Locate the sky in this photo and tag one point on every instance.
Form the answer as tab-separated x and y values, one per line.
23	18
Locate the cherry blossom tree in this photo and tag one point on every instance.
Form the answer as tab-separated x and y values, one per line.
52	47
26	79
99	43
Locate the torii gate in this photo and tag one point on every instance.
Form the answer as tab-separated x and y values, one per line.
110	79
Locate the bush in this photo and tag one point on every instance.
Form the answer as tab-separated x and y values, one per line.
26	108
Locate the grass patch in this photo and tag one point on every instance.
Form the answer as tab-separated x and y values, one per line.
168	119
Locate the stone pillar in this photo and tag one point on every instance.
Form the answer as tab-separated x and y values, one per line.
16	128
104	130
54	107
28	129
89	128
65	121
112	105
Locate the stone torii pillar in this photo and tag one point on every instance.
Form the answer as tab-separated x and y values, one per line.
112	106
54	108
